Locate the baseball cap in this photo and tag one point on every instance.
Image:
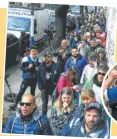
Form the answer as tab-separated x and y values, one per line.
94	105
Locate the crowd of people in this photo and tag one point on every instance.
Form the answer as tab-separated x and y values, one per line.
75	78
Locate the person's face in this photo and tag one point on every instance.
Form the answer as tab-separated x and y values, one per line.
66	98
92	61
88	100
93	43
92	118
101	55
75	52
27	106
75	34
85	37
64	44
83	43
48	59
100	75
99	29
33	52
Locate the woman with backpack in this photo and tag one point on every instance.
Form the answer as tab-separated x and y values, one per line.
69	79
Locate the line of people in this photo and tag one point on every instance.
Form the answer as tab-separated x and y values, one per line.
77	77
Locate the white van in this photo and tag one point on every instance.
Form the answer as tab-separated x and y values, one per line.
19	19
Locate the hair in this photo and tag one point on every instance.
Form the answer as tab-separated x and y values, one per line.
76	74
29	96
87	93
115	68
103	67
34	47
74	47
93	39
92	55
59	104
64	39
114	82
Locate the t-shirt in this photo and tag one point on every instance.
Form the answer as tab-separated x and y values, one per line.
48	77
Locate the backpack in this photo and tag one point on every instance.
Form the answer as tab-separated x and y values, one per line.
55	92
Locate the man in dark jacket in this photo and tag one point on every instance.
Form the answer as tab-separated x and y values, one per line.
47	79
63	53
90	125
28	119
95	45
29	67
76	61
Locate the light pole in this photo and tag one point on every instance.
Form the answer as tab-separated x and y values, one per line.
32	41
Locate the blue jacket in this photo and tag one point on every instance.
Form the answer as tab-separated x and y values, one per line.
41	76
77	130
29	73
16	125
112	94
81	62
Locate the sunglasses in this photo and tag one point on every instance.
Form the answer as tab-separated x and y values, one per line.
23	103
100	73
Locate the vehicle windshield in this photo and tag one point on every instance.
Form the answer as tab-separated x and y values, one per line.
19	23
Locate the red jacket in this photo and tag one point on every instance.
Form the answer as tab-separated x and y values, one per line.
63	82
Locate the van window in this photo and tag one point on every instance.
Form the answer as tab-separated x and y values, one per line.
18	23
52	19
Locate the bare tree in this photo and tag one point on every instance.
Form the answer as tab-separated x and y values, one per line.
81	10
86	9
95	9
60	23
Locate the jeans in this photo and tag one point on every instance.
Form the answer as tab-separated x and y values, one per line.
44	96
25	83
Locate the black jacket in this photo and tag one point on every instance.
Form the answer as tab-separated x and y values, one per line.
41	76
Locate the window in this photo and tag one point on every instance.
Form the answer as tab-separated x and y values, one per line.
19	23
